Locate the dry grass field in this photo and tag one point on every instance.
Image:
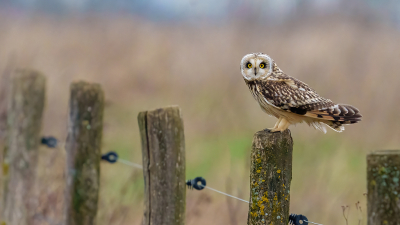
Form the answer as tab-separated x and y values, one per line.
143	64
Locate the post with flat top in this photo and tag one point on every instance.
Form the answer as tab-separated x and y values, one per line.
83	148
383	183
270	177
163	152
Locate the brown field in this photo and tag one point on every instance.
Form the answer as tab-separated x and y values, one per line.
145	65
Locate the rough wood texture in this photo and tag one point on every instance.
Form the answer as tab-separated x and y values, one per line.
163	152
25	110
383	174
83	153
5	80
270	177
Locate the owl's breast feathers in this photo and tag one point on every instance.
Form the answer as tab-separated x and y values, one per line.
291	95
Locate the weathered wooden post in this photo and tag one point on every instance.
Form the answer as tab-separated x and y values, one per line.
383	177
5	81
163	152
4	92
83	148
270	177
25	109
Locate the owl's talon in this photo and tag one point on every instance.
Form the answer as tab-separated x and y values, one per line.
272	130
275	131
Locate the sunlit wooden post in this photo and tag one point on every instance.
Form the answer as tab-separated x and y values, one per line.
83	148
383	182
25	108
270	178
163	152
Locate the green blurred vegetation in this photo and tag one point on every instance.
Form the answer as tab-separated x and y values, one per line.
145	65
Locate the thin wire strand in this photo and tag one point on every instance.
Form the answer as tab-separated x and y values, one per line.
226	194
312	222
245	200
123	161
128	163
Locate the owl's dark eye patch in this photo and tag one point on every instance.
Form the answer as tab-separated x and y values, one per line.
248	65
262	65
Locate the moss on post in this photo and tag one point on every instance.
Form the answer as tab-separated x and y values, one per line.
25	108
83	153
383	177
270	177
163	152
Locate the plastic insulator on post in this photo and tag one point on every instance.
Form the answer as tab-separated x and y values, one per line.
110	157
50	141
197	183
295	219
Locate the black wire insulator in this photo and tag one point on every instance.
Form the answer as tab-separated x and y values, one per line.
50	141
195	183
295	219
110	157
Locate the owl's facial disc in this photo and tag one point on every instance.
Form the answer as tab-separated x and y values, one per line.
256	66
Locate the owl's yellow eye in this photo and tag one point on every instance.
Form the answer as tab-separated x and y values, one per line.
262	65
249	65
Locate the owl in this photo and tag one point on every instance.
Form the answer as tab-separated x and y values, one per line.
290	100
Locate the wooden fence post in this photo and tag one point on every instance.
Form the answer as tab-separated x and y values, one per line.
83	153
5	81
383	177
25	110
270	177
163	152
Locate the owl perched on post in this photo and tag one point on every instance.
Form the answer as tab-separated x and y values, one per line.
289	99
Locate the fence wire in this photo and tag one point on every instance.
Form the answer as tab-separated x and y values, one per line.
112	157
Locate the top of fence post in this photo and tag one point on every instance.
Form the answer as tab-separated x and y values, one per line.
383	183
83	148
163	152
270	177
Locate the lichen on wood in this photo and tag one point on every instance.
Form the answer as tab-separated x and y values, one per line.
270	178
163	152
383	177
83	148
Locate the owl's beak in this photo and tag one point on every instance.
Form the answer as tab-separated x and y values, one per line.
255	71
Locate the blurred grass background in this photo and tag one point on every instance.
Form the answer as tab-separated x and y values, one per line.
144	64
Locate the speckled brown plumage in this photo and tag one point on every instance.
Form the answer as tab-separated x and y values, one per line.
290	99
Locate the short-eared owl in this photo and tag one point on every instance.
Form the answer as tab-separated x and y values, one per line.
289	99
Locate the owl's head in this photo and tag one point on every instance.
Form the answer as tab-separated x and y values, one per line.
256	66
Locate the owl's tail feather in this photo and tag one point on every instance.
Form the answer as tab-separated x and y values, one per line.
346	114
335	126
337	116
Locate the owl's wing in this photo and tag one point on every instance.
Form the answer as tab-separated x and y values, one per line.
292	95
281	77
